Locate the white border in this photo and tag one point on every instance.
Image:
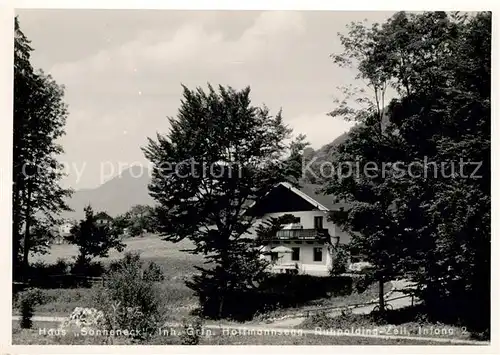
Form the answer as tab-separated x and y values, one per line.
6	43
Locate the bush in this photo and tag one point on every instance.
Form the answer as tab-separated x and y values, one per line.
62	266
153	273
344	321
45	275
192	329
279	290
63	273
340	259
130	300
28	301
363	280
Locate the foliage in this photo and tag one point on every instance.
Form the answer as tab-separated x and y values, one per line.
220	155
340	260
139	219
427	215
364	280
94	239
276	292
62	274
129	300
153	272
29	299
343	321
39	119
192	329
267	230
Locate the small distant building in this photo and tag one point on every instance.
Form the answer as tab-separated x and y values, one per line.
62	232
102	218
65	228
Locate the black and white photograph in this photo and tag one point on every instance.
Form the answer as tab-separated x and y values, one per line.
250	177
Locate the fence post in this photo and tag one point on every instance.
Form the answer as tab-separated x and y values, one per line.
412	300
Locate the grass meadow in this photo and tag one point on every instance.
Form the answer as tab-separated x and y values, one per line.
175	263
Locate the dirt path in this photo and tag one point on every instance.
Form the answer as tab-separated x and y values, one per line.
396	292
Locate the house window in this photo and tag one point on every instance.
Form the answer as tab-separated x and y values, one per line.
274	257
318	222
318	254
295	254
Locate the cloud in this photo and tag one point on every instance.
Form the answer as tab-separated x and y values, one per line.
191	45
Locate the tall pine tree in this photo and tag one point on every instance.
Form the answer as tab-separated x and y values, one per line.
39	119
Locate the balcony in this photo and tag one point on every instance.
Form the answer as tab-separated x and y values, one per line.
301	234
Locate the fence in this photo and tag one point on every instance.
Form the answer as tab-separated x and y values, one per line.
59	281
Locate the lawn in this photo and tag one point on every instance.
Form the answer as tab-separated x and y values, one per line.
176	265
150	247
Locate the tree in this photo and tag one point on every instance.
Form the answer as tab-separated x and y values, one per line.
142	218
221	155
94	239
372	218
121	222
39	119
439	65
138	219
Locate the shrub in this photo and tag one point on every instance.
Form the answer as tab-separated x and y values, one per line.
192	329
153	273
63	273
279	290
61	267
28	301
92	268
363	280
130	300
344	321
340	259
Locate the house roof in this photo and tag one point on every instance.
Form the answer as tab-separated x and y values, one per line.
312	193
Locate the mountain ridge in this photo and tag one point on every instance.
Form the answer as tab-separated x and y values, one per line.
114	197
117	195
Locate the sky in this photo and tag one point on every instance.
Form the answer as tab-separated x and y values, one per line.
123	69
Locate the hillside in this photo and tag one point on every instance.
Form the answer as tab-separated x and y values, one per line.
115	196
323	154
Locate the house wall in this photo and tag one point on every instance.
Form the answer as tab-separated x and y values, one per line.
306	262
65	228
307	221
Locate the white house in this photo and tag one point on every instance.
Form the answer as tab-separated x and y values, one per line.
65	228
61	232
304	245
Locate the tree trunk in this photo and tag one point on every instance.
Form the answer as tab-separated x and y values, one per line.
27	225
223	279
381	301
16	228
